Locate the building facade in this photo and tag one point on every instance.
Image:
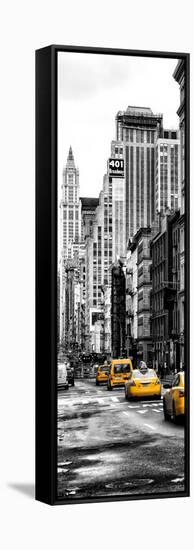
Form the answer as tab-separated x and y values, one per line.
105	241
167	175
138	303
179	76
165	288
107	320
131	301
118	311
138	128
71	247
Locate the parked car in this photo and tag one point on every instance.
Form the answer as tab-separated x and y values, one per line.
62	380
143	382
102	374
174	398
70	375
120	371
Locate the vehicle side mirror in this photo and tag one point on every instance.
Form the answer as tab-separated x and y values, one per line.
167	386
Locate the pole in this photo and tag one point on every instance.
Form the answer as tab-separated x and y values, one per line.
121	336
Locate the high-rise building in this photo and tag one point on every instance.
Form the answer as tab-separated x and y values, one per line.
70	207
71	246
138	128
105	237
167	174
88	209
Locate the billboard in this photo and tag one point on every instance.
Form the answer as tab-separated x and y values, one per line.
116	167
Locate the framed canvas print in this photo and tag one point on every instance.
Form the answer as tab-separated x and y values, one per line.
112	274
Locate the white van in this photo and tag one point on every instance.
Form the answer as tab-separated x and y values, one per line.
62	381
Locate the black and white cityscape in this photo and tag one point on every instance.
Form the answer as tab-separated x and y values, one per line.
120	281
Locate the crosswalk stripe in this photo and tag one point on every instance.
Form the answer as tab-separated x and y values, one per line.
141	412
114	399
149	426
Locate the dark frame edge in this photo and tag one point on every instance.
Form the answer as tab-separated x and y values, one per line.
45	383
187	267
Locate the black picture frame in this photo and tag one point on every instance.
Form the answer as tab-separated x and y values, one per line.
46	270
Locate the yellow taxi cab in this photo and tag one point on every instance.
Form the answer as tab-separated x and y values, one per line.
174	398
143	382
102	374
120	371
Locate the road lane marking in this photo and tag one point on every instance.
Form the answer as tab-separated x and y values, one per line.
151	404
126	413
177	480
133	406
156	411
142	412
114	399
149	426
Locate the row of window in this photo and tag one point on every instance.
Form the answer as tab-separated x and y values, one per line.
139	136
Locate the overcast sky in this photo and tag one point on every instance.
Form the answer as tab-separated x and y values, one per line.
91	90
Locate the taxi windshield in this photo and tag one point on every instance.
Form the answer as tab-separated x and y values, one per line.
121	368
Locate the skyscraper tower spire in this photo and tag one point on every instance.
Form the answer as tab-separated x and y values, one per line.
70	226
70	159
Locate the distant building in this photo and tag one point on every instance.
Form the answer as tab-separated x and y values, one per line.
104	232
138	128
71	247
165	286
70	208
88	209
118	311
179	76
131	301
167	175
107	320
139	295
71	303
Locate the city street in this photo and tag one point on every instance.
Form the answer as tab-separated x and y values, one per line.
108	446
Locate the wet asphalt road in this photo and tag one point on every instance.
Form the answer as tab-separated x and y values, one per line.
110	447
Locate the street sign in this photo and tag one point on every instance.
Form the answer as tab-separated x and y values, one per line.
116	167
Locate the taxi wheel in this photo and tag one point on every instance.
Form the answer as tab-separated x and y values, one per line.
97	383
166	417
174	417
